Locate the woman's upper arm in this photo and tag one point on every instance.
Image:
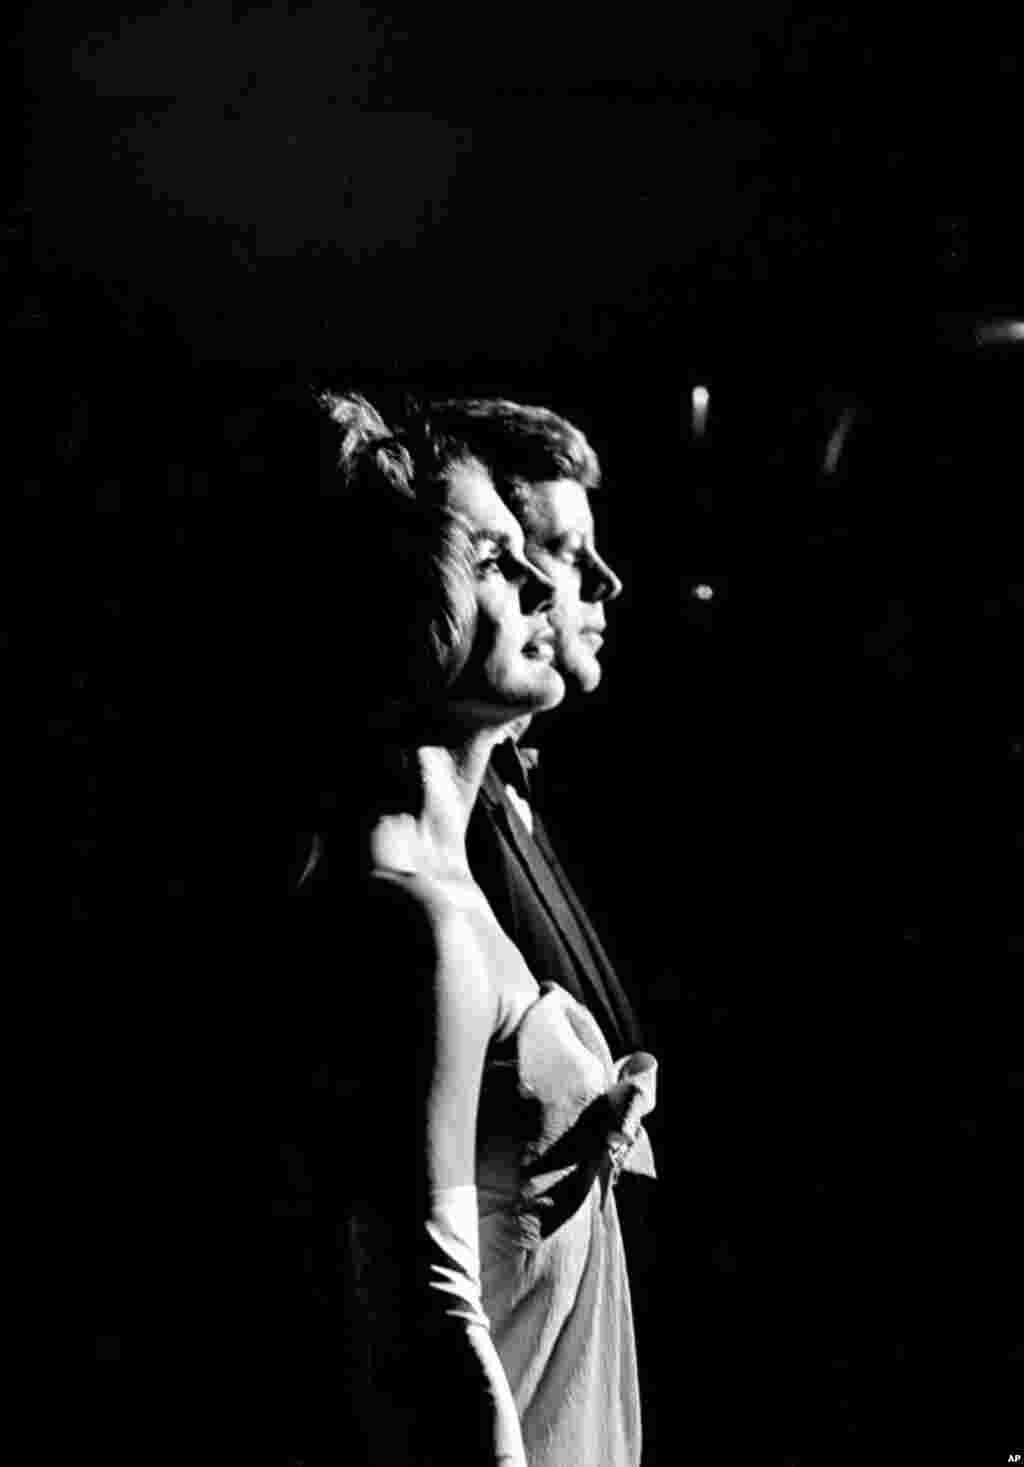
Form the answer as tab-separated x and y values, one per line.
460	1013
428	1013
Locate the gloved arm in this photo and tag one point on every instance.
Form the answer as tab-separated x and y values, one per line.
463	1404
452	1230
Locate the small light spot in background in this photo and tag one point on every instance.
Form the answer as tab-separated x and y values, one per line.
834	449
994	332
703	591
700	399
108	1347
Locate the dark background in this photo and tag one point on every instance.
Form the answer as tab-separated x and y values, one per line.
792	804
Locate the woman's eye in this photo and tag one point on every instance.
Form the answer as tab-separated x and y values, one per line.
489	564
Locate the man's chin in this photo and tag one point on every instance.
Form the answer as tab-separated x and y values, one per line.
583	674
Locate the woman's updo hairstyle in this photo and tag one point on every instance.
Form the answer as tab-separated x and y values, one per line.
388	568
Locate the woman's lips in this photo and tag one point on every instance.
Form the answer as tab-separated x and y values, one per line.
545	651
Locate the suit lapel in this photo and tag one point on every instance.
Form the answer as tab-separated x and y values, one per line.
547	887
542	840
554	891
616	999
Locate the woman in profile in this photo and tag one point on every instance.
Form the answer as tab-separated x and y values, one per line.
477	1120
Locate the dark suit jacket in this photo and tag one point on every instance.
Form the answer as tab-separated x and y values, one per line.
534	901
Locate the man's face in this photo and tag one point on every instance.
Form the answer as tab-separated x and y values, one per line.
559	531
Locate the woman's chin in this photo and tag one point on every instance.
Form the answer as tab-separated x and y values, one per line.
543	687
501	706
551	690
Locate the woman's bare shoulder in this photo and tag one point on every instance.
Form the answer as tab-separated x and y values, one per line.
436	910
442	919
411	892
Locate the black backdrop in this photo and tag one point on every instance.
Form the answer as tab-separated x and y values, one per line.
788	802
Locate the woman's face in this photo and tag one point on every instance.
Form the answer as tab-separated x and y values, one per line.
510	667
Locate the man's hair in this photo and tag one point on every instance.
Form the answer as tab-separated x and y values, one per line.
520	446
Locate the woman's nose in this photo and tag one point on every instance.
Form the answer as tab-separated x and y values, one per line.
537	592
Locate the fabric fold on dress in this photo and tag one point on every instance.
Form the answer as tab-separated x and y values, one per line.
558	1125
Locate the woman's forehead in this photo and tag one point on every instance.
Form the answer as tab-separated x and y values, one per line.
470	494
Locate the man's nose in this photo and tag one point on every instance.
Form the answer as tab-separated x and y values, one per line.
603	583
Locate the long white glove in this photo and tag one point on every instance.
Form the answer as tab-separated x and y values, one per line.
454	1232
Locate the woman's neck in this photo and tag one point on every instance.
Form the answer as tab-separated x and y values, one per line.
429	838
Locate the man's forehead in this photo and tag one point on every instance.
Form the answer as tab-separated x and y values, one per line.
556	509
